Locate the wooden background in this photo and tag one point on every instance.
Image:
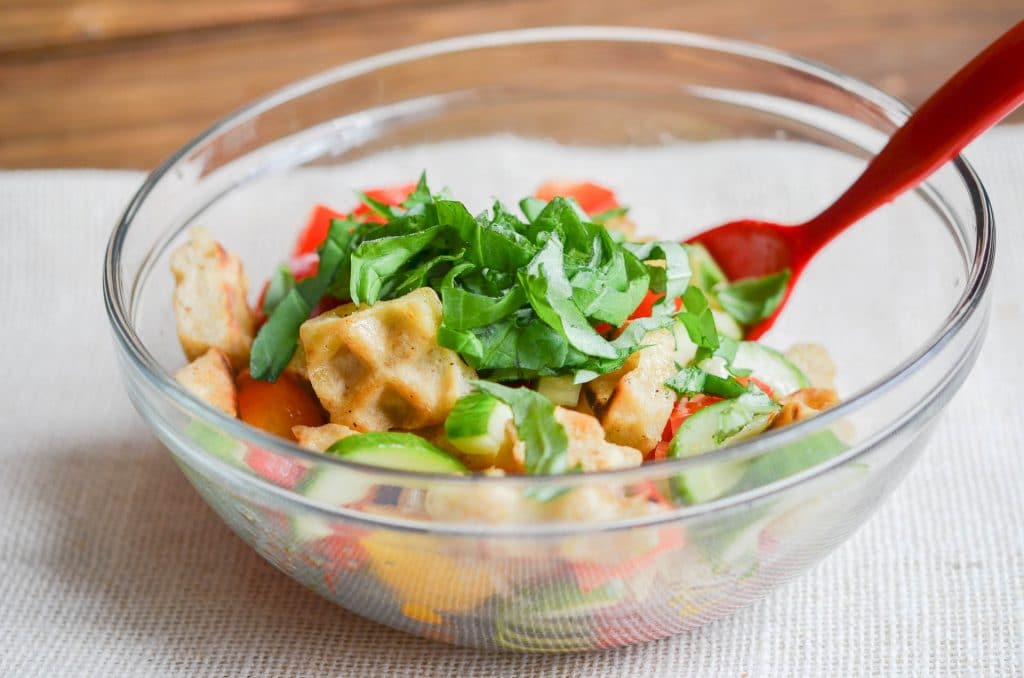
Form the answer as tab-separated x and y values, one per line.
122	83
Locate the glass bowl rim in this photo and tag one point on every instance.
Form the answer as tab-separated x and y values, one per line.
895	110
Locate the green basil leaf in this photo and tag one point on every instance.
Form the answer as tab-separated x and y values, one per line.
545	441
699	322
281	283
532	208
463	310
485	245
753	299
378	207
375	260
550	294
693	380
671	279
276	341
611	292
420	196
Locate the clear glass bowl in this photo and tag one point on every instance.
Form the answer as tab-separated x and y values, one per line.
705	130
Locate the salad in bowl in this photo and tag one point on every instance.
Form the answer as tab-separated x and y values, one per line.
410	334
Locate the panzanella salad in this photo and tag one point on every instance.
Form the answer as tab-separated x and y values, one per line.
413	334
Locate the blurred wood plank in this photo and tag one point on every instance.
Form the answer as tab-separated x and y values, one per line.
43	24
130	102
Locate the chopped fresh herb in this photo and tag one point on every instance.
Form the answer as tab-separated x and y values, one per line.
670	276
690	381
276	341
699	322
752	300
520	299
281	283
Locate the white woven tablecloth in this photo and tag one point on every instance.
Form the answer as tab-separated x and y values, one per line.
111	565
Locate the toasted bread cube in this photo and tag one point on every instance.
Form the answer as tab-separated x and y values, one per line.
210	379
588	447
639	407
319	438
381	368
210	300
804	404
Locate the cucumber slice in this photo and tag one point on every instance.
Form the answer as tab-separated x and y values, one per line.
476	425
727	325
335	486
771	367
722	423
217	443
686	350
560	390
790	459
402	451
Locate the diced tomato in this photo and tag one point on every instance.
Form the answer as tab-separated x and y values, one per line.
320	220
342	550
593	198
683	409
278	469
316	229
277	406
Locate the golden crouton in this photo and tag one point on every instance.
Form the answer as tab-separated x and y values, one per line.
804	404
640	404
209	378
319	438
381	368
587	446
210	300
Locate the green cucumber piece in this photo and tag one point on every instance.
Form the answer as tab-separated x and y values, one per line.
476	425
217	443
790	459
331	485
771	367
560	390
402	451
723	423
727	325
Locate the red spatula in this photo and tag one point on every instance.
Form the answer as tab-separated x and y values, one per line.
976	98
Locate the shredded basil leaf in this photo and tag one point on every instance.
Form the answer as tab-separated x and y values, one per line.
699	322
281	283
693	380
520	299
276	341
753	299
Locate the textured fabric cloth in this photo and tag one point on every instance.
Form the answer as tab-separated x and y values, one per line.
111	565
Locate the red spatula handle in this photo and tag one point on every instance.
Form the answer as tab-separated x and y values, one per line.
981	94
